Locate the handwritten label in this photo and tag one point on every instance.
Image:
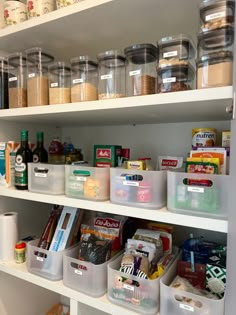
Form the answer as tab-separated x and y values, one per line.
78	81
196	189
130	183
135	72
31	75
54	84
170	54
78	272
41	175
39	258
169	80
186	307
215	16
12	79
128	287
106	76
81	178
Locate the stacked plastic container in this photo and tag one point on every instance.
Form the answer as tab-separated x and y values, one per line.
215	43
176	70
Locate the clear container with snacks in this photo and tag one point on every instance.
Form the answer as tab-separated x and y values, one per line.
14	12
37	76
45	263
17	80
87	182
46	178
145	189
141	69
174	78
37	8
111	80
215	70
216	40
4	101
215	14
84	79
59	82
198	194
173	49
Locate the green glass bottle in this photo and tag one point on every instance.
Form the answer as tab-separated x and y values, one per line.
40	154
24	155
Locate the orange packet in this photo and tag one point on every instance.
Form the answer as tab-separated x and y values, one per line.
208	153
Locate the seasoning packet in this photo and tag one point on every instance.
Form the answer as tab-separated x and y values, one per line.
201	167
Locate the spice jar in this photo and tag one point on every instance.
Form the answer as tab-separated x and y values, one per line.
17	80
59	83
111	81
84	79
215	14
37	76
176	49
175	78
4	103
20	249
215	70
141	69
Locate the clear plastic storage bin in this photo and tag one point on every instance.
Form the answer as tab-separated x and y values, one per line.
46	178
84	276
175	301
188	194
145	189
45	263
86	182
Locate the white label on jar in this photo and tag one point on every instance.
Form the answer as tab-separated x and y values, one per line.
169	80
12	79
128	287
170	54
78	272
78	81
135	72
186	307
81	178
130	183
215	16
31	75
106	76
196	189
54	84
41	175
40	258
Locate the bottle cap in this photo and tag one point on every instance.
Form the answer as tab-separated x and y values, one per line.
40	135
20	245
24	135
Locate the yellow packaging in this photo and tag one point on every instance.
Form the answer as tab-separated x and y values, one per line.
215	161
204	137
136	165
226	135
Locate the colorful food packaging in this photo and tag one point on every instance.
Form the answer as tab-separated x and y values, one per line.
106	155
170	162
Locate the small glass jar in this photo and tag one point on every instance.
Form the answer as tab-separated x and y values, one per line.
4	102
215	70
59	83
215	14
111	81
84	79
141	69
37	76
17	80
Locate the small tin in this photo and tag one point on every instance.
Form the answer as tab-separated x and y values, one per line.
204	137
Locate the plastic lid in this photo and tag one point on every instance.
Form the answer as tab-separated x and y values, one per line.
60	68
112	58
217	38
40	135
207	5
37	55
20	245
141	53
84	62
215	57
180	40
17	59
24	135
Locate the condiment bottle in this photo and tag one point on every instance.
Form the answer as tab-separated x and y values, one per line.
56	151
40	154
20	249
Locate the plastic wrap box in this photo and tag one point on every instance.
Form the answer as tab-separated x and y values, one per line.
46	178
145	189
84	182
45	263
173	301
198	194
84	276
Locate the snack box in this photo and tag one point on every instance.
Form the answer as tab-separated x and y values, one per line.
106	155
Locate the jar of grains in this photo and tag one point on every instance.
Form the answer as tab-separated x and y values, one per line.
59	82
84	79
111	80
17	80
37	76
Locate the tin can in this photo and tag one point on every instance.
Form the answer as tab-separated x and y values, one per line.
204	137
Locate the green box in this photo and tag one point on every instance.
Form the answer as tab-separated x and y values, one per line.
106	155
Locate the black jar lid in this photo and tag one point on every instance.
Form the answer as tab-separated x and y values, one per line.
60	68
181	71
111	59
83	61
216	38
207	5
16	60
37	55
141	53
214	58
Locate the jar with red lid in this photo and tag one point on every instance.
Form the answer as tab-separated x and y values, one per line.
20	249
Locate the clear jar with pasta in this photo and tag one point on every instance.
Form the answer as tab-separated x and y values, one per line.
84	79
59	83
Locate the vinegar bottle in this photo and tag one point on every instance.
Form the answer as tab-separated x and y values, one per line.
40	154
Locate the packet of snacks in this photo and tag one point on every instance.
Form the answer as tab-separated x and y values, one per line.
170	162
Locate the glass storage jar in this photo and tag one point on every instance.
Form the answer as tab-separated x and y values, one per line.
4	102
37	76
215	14
215	70
17	80
84	79
141	69
59	82
173	78
111	81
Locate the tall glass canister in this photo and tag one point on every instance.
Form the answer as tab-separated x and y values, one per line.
4	102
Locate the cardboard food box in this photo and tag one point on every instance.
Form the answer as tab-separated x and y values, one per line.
3	146
106	155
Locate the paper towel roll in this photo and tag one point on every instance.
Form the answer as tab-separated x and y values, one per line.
8	235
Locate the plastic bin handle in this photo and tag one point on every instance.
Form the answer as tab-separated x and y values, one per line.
81	173
132	177
41	170
187	303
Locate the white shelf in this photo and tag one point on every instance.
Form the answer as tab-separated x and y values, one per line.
162	215
195	105
102	303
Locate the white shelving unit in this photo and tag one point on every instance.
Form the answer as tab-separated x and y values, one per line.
157	124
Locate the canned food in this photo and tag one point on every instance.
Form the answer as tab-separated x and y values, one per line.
204	137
